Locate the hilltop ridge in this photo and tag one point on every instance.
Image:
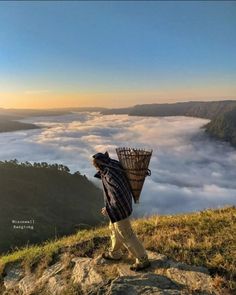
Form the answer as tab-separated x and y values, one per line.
191	254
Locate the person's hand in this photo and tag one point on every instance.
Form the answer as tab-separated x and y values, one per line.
104	211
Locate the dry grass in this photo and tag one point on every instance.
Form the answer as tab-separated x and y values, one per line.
206	238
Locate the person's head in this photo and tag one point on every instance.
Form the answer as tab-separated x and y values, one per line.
100	160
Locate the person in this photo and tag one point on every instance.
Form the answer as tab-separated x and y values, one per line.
118	207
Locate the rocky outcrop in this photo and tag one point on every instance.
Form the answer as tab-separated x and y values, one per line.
85	275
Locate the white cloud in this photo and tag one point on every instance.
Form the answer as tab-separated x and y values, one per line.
189	170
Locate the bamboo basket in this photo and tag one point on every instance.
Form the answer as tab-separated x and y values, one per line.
135	163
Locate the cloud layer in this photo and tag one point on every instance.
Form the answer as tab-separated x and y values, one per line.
189	170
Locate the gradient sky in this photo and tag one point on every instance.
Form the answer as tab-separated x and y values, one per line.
55	54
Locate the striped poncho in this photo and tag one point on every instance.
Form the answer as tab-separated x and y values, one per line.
117	193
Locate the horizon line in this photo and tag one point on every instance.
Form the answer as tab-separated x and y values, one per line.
121	107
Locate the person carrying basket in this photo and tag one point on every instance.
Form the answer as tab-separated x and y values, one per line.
118	207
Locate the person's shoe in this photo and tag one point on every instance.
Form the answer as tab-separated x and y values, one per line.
108	256
140	265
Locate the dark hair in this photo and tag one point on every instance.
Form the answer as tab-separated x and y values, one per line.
102	157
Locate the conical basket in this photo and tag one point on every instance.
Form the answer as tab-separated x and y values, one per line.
135	163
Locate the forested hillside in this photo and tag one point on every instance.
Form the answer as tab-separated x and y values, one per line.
57	201
224	127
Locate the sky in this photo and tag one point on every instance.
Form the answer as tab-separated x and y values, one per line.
190	171
115	54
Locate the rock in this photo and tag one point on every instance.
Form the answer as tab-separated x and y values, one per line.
99	276
51	271
191	279
163	277
27	284
56	285
101	261
143	284
85	274
14	274
184	266
51	279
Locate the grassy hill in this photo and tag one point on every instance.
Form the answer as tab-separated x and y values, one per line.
206	238
57	202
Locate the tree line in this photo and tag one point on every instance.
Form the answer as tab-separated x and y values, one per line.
16	163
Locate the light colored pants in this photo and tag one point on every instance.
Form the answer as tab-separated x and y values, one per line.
122	234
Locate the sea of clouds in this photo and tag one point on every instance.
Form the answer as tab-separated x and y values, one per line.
190	171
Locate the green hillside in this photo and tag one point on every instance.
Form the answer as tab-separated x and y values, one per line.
224	127
57	201
206	238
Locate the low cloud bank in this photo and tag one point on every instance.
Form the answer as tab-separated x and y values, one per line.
189	170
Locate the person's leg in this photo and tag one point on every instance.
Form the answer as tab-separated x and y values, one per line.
116	244
131	242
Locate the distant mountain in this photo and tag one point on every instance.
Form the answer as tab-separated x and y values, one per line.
117	111
207	110
222	114
11	125
59	202
84	109
9	117
24	113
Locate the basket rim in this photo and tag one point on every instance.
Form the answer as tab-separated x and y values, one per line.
145	150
